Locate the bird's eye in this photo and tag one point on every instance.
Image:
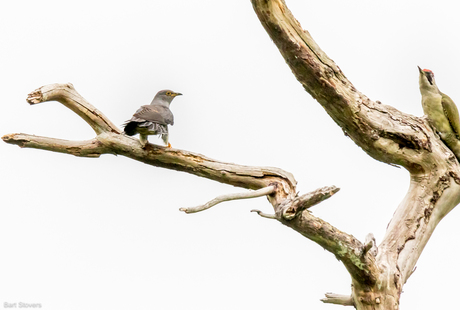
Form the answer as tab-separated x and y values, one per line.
168	93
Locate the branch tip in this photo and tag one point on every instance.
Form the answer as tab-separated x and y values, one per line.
12	139
35	97
253	194
268	216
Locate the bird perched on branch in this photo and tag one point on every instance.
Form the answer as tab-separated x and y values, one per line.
153	119
441	111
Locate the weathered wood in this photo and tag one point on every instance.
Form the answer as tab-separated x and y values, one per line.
387	135
68	96
337	299
246	195
278	185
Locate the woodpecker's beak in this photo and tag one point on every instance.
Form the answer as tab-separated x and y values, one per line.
419	69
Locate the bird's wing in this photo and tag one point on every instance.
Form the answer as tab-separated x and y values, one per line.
154	113
451	112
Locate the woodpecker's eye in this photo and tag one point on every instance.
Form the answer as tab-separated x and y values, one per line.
429	77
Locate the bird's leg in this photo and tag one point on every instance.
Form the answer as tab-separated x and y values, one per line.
165	138
143	139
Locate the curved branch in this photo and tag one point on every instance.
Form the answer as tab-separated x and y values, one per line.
387	135
68	96
265	215
258	193
345	247
109	140
279	186
383	132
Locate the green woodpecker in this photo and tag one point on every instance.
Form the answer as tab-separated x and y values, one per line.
441	111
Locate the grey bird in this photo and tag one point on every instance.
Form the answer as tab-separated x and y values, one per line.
153	119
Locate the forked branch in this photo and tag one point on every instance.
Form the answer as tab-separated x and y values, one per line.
110	140
277	185
383	132
387	135
68	96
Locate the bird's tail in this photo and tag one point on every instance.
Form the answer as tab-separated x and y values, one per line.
130	128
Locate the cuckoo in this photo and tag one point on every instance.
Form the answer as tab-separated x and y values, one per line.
153	119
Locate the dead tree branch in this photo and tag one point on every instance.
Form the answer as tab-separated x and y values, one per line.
383	132
299	204
387	135
258	193
110	140
278	185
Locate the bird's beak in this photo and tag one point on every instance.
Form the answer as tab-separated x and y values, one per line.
177	94
420	69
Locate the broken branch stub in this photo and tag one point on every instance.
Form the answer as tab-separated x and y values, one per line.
387	135
276	184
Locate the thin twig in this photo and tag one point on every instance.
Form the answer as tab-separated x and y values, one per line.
258	193
266	215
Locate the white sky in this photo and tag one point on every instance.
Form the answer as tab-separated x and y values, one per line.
79	233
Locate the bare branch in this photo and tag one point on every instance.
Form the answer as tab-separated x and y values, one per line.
68	96
276	184
344	246
109	140
262	214
337	299
382	131
89	148
428	200
387	135
248	177
299	204
234	196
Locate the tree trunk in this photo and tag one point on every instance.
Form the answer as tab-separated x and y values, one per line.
387	135
384	133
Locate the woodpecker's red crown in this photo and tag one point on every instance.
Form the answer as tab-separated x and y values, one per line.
428	70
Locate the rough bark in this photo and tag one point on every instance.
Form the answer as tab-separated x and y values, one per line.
386	134
278	185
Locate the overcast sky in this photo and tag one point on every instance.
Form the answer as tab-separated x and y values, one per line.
79	233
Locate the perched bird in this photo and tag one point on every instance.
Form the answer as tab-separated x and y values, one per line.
441	111
153	119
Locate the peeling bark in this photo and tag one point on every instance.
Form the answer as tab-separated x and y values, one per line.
378	273
278	185
387	135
